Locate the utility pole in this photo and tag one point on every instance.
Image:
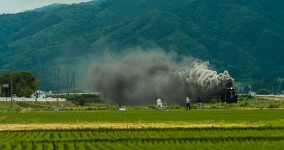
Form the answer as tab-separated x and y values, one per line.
55	83
74	85
11	92
71	83
250	89
67	89
36	94
57	86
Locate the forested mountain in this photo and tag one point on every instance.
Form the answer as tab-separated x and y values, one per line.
244	37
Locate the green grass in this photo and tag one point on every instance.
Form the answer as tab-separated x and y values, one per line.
258	117
32	106
7	105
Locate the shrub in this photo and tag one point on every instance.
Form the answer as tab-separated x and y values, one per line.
263	91
244	104
274	105
245	97
213	101
82	102
151	107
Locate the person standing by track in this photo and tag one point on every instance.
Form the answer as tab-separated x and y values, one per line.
199	102
187	100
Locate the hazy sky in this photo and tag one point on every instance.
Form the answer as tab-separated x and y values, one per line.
14	6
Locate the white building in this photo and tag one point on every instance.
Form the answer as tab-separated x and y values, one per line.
40	94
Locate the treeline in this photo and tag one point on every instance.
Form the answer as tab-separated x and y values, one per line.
22	84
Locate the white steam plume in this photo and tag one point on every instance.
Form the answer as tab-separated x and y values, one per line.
206	80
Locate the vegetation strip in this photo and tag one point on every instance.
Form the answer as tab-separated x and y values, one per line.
150	129
268	137
212	139
7	127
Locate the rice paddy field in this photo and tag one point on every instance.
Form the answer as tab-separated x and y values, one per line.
233	128
147	138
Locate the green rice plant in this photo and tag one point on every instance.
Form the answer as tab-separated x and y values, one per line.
27	145
79	145
99	145
59	145
147	135
149	138
16	146
5	146
37	146
47	145
68	145
88	146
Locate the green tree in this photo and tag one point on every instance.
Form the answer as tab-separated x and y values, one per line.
23	83
82	102
263	92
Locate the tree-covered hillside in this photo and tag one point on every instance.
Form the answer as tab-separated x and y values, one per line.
244	37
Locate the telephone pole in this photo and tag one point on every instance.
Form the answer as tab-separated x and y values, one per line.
11	92
57	86
67	89
36	93
74	85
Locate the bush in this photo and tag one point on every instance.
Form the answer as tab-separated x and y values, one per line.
274	105
90	108
263	92
214	101
244	97
244	104
151	107
82	102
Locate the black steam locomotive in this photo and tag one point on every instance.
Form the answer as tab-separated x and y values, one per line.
229	94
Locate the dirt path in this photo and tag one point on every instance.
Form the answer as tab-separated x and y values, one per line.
5	127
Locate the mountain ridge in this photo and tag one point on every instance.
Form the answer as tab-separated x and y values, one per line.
242	37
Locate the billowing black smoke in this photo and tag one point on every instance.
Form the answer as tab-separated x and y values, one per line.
141	77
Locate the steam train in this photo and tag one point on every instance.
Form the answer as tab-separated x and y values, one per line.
229	94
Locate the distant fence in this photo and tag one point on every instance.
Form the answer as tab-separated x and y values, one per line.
23	99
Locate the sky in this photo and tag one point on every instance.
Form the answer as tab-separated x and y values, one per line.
15	6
